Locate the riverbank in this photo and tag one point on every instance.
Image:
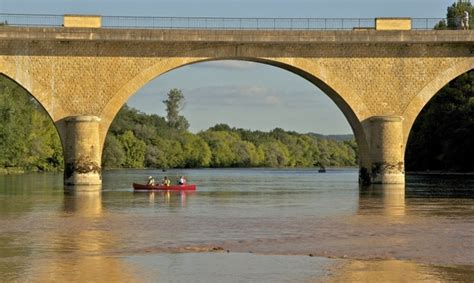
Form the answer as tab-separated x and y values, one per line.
20	170
12	171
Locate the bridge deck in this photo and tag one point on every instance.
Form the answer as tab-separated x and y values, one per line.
235	36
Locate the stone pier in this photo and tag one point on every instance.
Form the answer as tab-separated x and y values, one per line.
386	150
82	152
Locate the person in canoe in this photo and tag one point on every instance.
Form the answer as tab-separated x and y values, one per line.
151	181
182	180
166	181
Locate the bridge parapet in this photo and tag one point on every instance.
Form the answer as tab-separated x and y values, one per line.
363	35
219	23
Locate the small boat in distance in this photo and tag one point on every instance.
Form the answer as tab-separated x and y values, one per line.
141	187
322	169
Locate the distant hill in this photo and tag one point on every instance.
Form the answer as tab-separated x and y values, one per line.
333	137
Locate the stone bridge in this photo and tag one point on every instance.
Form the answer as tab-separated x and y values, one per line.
380	78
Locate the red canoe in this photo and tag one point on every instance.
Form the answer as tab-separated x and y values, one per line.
190	187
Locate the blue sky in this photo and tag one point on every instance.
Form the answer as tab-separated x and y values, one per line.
241	94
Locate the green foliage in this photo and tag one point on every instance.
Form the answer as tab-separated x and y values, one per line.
28	137
275	149
134	150
454	15
114	154
275	154
174	104
443	134
221	146
196	151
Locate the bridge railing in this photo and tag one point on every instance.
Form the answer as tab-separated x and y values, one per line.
31	20
440	23
238	23
214	23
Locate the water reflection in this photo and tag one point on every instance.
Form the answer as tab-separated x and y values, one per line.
172	199
82	188
83	204
384	199
79	251
49	235
398	271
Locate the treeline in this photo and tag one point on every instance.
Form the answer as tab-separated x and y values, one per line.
442	137
30	142
139	140
28	138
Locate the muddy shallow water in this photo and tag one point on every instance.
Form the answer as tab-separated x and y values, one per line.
261	225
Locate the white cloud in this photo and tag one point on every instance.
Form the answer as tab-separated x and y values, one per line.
246	96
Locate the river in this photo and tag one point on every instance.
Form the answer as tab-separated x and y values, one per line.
261	225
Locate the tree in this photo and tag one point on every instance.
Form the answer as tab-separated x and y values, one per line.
455	13
28	138
134	150
220	143
196	151
114	154
443	134
174	104
275	154
157	153
222	146
45	149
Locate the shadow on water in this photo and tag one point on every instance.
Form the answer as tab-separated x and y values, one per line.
439	186
435	195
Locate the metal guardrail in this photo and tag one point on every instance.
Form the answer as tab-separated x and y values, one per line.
430	23
214	23
238	23
31	20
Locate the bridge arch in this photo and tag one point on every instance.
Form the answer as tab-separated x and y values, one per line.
351	105
41	93
29	94
430	98
429	91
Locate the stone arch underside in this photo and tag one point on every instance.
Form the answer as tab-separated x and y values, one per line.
35	89
417	104
350	104
19	73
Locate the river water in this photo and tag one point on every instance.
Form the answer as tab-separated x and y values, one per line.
261	225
